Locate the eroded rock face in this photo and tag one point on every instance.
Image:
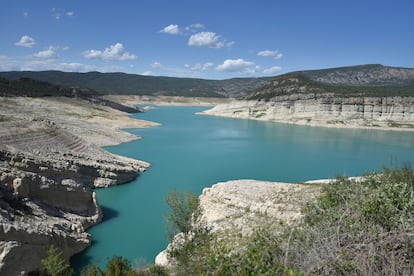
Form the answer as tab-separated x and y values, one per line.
37	211
326	109
247	204
47	174
235	209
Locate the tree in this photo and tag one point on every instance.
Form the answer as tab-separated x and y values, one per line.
54	264
184	209
116	266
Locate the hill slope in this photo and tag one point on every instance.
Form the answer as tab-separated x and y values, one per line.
363	80
131	84
363	75
35	88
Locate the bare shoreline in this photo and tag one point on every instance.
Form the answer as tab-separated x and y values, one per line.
226	110
96	124
131	100
315	124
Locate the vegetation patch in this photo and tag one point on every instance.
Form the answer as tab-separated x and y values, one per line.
352	228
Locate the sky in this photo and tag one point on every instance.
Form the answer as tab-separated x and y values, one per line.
207	39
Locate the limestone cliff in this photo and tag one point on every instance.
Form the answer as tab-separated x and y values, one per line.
356	96
235	209
326	110
38	210
47	173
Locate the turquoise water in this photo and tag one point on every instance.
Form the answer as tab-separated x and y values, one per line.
190	152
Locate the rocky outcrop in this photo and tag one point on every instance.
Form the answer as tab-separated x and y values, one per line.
235	209
325	109
47	173
38	210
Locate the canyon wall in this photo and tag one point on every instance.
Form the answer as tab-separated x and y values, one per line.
50	162
326	110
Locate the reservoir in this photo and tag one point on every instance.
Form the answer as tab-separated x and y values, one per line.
191	152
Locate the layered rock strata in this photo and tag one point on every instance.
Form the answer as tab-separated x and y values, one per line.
325	110
47	173
38	210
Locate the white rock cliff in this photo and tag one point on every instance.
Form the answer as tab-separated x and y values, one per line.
325	110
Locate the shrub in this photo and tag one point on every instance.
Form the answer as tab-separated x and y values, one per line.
116	266
184	209
54	264
359	228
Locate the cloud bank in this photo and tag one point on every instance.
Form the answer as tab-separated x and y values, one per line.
50	52
114	52
235	65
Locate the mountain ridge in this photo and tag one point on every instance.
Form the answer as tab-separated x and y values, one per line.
133	84
348	79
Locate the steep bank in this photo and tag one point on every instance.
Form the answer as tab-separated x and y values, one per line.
357	96
50	160
328	110
234	210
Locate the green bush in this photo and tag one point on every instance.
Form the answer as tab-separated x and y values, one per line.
359	228
116	266
184	209
54	264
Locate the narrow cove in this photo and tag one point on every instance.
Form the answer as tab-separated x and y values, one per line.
190	152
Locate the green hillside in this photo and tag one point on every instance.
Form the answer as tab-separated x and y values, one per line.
31	88
131	84
26	87
361	80
364	80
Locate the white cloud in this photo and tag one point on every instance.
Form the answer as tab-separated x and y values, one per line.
272	70
268	53
185	71
197	26
25	14
26	41
147	73
29	63
194	27
156	64
235	65
200	66
171	29
58	13
114	52
50	52
207	39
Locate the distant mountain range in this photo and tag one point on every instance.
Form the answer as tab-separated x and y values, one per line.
372	79
131	84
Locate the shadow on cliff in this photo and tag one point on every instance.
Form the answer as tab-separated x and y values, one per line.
108	213
84	259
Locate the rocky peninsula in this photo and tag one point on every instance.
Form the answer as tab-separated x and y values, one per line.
50	161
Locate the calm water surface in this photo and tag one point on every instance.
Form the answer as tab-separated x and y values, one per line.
190	152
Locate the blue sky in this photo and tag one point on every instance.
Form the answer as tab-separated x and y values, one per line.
204	39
